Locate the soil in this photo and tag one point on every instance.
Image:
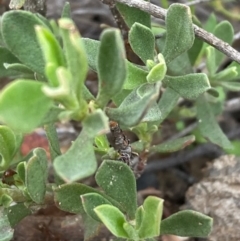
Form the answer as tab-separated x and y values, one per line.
170	180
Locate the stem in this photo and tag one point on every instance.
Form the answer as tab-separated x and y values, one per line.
53	142
207	37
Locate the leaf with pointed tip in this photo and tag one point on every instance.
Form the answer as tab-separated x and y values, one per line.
139	35
80	161
180	33
19	68
232	86
113	219
187	223
228	74
118	182
23	105
24	46
188	86
173	145
208	125
66	12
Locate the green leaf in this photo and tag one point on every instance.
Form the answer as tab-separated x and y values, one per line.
188	86
23	105
232	86
187	223
151	219
22	40
75	55
16	4
6	57
19	68
6	232
52	52
228	74
91	48
111	65
195	51
211	63
138	36
224	31
167	102
132	15
7	146
135	106
135	76
158	72
67	196
180	34
208	125
80	161
36	175
173	145
113	219
92	200
66	12
118	182
21	171
16	213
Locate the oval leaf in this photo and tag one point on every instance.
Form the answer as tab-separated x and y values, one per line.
118	182
23	105
113	219
188	86
187	224
6	232
36	175
111	65
180	33
24	46
139	35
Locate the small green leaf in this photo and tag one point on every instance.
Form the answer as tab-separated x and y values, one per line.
233	86
135	76
211	63
67	196
52	52
21	171
139	217
151	219
92	200
224	31
118	181
91	48
228	74
19	68
132	15
174	145
16	213
66	12
158	72
75	55
36	175
167	102
6	200
6	232
111	65
7	57
24	46
23	105
7	146
208	125
139	35
195	51
80	161
188	86
113	219
136	105
16	4
187	223
130	229
180	34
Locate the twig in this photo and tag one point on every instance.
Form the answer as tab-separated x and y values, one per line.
207	37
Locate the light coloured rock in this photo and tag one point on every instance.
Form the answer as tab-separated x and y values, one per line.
218	195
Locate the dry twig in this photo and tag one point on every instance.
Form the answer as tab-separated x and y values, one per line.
159	12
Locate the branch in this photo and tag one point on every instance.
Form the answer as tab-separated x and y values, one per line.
207	37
